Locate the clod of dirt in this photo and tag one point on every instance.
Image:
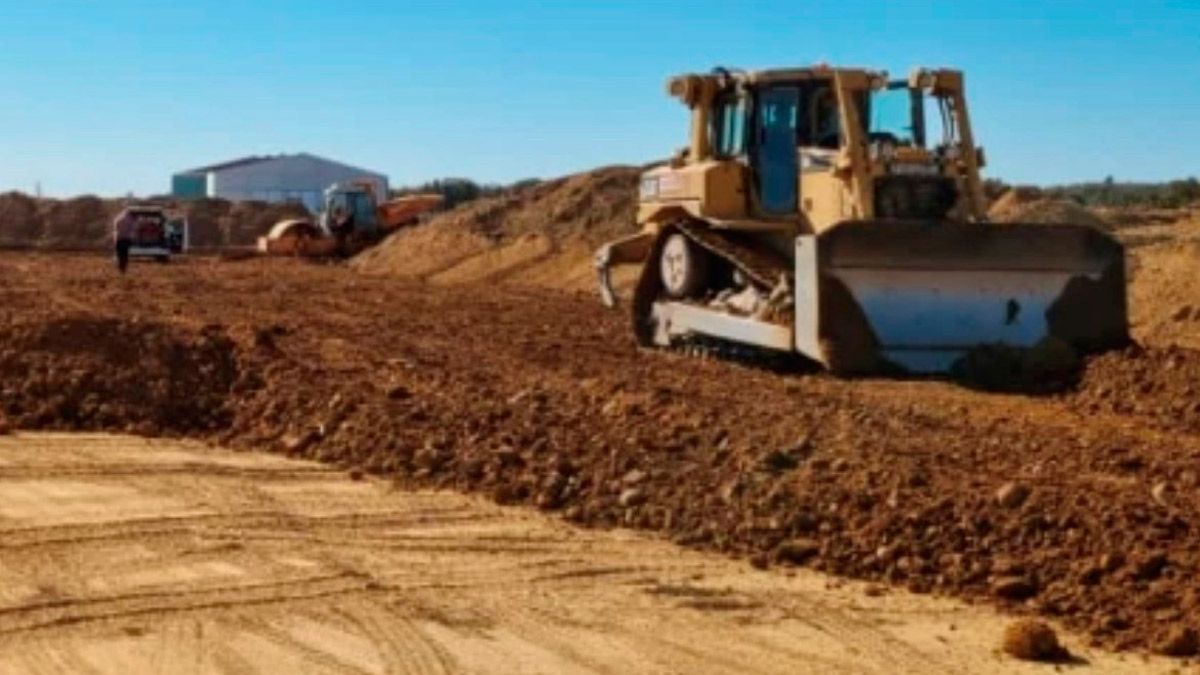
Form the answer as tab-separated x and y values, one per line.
1032	640
1150	567
632	497
1159	493
1014	588
635	477
875	591
399	392
797	551
1112	561
296	443
1179	641
1012	495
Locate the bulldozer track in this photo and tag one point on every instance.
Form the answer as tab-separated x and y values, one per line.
763	267
703	347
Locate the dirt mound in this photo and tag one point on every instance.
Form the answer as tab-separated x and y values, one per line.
1164	293
1026	205
1159	384
247	221
1016	196
543	234
85	372
207	220
19	219
84	222
1071	507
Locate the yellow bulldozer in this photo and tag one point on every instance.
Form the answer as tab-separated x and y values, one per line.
839	214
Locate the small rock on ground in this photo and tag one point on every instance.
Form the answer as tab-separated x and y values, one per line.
1012	495
1032	640
797	551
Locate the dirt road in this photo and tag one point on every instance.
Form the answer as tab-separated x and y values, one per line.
126	555
1081	506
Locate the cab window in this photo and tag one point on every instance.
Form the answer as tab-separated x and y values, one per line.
895	115
729	126
823	128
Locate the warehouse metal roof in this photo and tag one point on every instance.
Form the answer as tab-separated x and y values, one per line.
244	161
258	159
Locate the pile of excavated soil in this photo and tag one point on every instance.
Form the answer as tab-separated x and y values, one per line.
80	221
543	235
1159	384
1027	205
1164	293
83	372
85	222
20	220
1065	506
1142	216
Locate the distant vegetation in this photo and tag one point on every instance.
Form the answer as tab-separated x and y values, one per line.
1172	194
461	190
1110	192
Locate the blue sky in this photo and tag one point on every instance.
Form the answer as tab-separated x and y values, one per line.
113	96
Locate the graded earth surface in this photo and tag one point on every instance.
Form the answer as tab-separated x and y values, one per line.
127	555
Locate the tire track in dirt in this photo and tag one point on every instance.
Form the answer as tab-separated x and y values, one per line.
346	576
18	619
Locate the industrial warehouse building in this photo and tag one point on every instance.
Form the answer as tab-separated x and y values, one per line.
300	178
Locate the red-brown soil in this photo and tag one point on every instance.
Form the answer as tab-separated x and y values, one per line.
541	235
1081	506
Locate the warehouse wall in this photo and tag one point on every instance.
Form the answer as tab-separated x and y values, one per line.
302	178
188	186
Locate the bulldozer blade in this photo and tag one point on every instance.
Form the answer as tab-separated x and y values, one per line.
920	297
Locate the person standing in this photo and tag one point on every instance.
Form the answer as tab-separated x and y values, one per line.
123	227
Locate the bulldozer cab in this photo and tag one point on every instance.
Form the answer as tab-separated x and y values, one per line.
857	125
